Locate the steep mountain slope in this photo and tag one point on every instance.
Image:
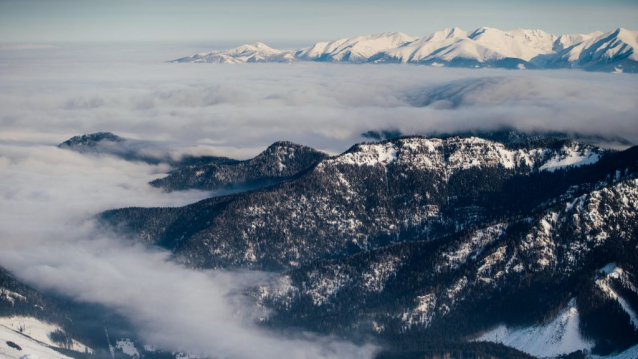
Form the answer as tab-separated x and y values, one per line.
370	196
280	161
566	41
420	48
356	49
481	47
485	47
616	49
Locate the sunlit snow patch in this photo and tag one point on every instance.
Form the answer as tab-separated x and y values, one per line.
574	158
40	332
33	338
560	336
127	347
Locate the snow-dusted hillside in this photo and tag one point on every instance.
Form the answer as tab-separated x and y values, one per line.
457	153
484	47
417	286
351	201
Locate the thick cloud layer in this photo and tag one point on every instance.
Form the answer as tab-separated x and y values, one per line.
239	110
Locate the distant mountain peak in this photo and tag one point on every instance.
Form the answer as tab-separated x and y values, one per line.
261	45
91	139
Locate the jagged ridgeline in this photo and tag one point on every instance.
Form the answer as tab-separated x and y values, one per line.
432	245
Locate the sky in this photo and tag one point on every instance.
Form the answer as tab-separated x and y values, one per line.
294	21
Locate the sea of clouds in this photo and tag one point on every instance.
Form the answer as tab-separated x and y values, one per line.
48	196
238	110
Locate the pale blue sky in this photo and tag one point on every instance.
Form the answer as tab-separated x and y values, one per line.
295	21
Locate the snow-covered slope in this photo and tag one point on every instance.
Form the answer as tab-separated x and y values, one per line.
458	153
41	332
616	49
483	47
355	49
560	336
34	338
420	49
566	41
257	52
13	344
573	157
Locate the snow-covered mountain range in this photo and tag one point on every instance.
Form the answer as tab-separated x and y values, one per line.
484	47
